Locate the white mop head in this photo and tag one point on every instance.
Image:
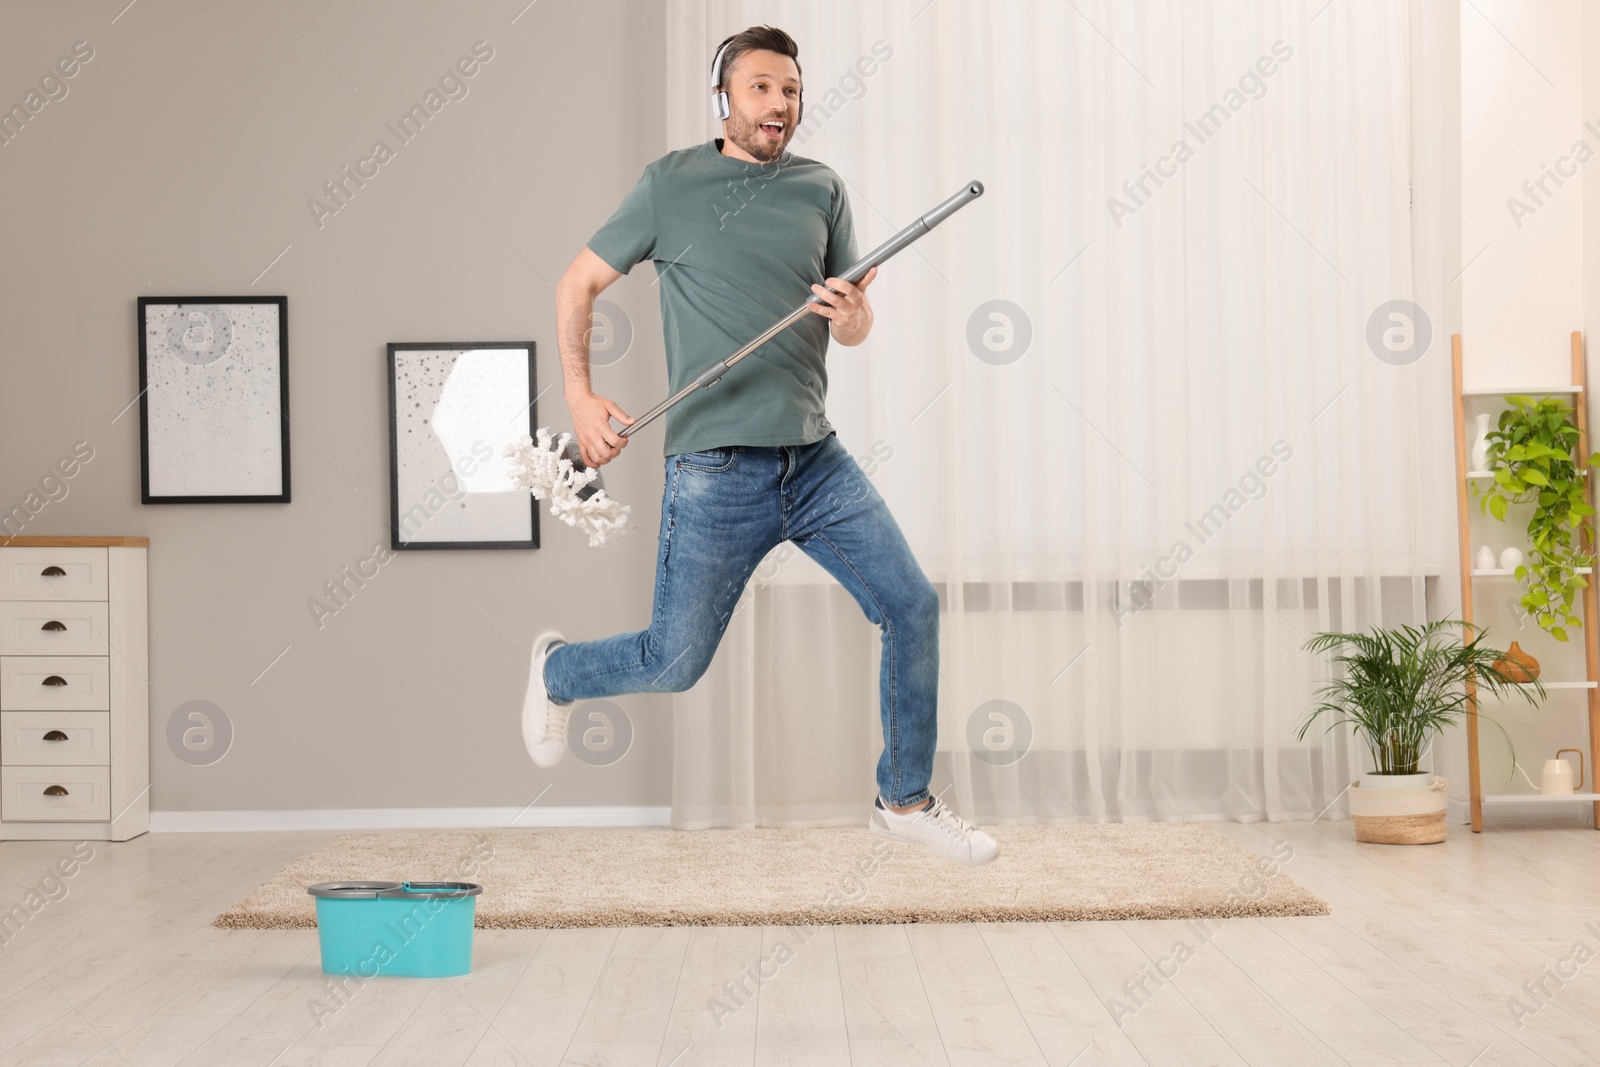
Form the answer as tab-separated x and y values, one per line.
544	468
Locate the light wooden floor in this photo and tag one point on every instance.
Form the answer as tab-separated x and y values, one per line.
1417	964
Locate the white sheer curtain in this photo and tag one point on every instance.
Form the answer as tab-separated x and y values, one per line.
1201	351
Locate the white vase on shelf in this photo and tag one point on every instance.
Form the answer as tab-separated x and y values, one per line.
1480	446
1485	558
1511	558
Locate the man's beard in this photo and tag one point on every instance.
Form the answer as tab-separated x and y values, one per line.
748	136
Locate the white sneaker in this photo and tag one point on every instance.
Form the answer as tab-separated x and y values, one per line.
935	827
544	722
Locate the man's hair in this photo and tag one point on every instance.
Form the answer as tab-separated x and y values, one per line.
755	39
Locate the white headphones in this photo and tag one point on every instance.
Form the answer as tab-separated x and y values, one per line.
719	102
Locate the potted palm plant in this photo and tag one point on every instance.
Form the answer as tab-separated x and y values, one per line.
1400	688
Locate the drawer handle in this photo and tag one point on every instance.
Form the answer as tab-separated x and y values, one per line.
54	624
53	571
55	791
54	679
55	735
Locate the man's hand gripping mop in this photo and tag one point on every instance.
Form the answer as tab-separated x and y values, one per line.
552	468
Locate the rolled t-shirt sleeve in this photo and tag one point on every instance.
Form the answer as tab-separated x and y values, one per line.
841	236
629	235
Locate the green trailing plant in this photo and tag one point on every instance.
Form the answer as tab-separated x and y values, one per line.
1531	453
1399	687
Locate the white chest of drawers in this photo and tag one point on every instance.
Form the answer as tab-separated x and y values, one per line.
74	688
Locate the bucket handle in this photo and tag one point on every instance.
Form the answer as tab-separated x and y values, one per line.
433	890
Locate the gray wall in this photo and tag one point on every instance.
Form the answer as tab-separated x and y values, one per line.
179	163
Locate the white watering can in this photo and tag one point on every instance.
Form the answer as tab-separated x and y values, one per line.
1557	777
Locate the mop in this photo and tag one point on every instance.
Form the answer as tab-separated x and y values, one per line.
551	466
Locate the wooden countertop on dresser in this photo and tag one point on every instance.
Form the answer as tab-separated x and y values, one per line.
74	542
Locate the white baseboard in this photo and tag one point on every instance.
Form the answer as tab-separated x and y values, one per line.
191	822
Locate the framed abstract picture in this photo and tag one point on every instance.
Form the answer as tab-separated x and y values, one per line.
453	409
214	399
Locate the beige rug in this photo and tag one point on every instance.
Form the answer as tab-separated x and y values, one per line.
664	877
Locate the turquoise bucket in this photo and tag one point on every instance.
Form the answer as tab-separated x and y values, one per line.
400	929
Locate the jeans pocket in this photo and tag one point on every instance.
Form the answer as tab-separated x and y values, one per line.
710	460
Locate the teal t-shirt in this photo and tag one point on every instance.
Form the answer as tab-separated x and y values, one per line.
737	246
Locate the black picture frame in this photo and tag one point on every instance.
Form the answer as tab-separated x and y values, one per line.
282	422
515	429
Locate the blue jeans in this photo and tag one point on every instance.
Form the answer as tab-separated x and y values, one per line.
722	511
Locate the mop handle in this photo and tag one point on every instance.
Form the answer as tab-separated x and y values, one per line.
858	270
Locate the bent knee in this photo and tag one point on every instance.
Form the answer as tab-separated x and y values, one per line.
916	607
679	667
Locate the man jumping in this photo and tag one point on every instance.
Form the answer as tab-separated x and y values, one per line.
738	228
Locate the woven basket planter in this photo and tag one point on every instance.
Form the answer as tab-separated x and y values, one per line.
1399	816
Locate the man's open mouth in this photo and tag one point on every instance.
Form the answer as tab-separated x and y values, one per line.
772	129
